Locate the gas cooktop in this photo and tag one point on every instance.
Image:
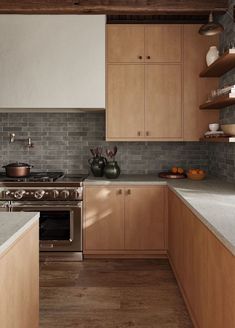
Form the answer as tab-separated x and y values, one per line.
34	177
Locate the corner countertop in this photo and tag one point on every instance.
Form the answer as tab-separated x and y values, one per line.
212	200
13	225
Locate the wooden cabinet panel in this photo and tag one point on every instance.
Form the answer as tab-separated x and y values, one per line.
175	233
163	111
104	218
194	275
19	282
163	43
145	218
125	43
196	89
205	269
125	100
221	285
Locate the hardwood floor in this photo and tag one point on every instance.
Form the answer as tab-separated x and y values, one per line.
110	294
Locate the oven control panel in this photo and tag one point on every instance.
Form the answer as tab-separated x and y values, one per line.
62	194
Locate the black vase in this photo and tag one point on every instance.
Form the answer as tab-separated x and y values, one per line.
112	170
97	165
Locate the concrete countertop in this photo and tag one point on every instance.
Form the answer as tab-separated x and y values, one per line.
211	200
127	179
13	225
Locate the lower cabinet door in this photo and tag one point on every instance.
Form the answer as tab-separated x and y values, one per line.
221	285
194	273
103	218
145	218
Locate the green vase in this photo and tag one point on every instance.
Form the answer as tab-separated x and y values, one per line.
112	170
97	165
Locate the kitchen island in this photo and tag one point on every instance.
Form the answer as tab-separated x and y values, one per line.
19	270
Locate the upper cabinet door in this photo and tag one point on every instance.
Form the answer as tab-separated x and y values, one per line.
52	61
125	43
163	43
125	101
163	101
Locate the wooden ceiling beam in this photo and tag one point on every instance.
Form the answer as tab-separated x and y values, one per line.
114	7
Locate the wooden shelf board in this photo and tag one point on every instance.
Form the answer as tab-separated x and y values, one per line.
223	64
219	102
219	139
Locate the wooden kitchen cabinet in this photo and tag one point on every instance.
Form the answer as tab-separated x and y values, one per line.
163	43
130	43
220	285
125	43
104	218
125	100
194	267
151	109
163	101
204	268
19	280
119	221
145	218
168	103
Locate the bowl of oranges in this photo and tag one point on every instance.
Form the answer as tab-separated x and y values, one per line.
196	174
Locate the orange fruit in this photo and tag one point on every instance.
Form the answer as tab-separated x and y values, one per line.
194	171
180	170
201	172
174	170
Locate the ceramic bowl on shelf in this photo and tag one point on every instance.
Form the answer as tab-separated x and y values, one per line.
214	127
228	129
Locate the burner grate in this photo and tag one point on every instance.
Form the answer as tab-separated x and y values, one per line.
34	177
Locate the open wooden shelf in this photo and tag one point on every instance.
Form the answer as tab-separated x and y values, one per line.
220	102
219	139
223	64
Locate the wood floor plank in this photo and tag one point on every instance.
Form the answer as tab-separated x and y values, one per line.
111	294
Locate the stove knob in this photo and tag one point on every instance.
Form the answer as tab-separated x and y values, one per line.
18	194
38	194
76	194
55	193
65	193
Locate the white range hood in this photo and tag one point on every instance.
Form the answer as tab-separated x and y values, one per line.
52	62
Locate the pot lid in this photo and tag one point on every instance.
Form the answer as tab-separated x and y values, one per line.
17	164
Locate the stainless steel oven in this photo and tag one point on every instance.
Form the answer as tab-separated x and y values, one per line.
60	224
60	208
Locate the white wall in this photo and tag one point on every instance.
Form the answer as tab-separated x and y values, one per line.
52	61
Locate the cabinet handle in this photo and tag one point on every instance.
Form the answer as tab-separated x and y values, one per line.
138	133
140	57
147	133
128	192
119	191
148	57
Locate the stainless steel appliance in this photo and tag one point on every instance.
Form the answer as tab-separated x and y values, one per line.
59	201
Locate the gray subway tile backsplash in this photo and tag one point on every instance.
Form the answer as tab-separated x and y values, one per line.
62	141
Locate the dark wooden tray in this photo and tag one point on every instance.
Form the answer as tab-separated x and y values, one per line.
170	175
